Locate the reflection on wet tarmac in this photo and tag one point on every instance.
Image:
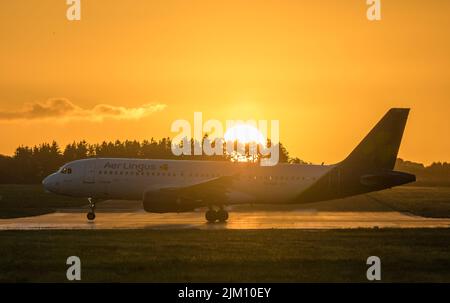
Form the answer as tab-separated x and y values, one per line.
238	220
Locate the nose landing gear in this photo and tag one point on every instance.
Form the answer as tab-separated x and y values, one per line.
220	215
91	214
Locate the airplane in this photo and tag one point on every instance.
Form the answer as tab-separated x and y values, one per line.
185	185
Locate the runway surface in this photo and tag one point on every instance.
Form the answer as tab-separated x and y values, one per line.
355	212
238	220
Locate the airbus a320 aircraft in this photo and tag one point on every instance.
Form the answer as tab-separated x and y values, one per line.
182	185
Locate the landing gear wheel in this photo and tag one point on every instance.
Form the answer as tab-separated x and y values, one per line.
222	215
211	216
91	216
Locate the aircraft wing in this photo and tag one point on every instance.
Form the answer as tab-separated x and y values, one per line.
211	190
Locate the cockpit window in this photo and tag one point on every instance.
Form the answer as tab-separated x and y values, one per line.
66	170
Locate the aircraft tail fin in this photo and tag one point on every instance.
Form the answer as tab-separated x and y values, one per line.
379	149
369	167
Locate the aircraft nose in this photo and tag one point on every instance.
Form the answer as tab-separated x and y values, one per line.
46	183
49	184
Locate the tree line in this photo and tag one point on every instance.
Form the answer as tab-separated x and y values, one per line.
436	174
30	165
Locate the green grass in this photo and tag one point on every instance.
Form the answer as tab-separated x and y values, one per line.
31	200
228	255
433	202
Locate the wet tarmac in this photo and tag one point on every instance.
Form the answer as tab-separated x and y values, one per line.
362	211
298	219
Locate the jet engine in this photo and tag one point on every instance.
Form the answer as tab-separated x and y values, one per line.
165	200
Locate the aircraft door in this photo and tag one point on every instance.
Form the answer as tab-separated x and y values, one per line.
89	171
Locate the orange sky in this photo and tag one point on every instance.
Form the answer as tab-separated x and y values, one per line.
320	67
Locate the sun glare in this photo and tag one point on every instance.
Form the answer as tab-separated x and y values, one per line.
244	133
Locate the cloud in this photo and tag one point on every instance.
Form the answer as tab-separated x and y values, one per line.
65	110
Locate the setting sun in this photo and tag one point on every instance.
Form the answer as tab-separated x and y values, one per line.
244	133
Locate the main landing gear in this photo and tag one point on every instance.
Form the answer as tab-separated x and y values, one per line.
220	215
91	214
